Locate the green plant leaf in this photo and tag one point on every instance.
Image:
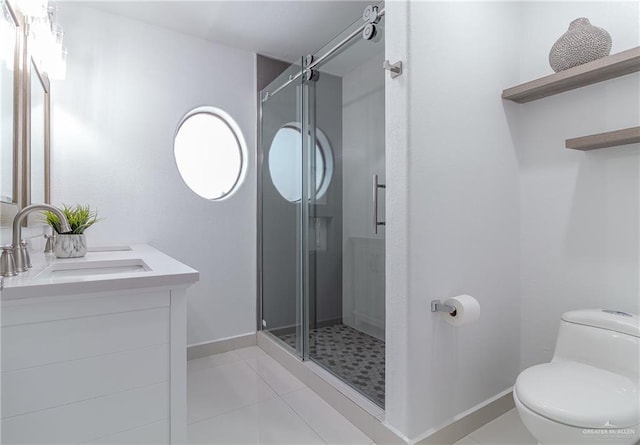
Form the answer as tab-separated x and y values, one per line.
79	216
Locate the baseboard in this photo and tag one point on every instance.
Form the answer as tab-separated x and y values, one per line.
205	349
468	421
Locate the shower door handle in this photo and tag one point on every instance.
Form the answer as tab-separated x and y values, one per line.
376	186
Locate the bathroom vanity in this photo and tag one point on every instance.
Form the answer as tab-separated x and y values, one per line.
94	349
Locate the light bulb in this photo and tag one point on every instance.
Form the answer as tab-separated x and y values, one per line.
33	8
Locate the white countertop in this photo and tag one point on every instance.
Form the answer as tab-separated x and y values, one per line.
164	271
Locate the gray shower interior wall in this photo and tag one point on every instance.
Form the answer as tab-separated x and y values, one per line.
267	70
279	217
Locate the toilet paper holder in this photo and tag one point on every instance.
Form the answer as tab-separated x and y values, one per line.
438	306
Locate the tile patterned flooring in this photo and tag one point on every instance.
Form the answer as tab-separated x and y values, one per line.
355	357
245	397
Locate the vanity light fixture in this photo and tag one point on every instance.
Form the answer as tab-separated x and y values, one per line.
32	9
45	37
7	34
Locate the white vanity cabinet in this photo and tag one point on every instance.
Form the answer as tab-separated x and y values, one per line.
96	367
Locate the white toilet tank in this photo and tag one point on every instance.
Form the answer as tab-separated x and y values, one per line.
606	339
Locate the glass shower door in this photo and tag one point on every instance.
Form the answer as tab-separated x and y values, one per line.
346	219
283	171
321	212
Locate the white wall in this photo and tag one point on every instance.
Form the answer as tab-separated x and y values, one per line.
483	198
579	210
452	209
113	120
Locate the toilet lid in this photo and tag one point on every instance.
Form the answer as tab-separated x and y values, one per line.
579	395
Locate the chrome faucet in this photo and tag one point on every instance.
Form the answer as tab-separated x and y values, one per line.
19	250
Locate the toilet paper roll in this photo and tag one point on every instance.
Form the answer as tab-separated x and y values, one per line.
467	310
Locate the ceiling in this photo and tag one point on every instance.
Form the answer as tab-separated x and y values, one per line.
285	30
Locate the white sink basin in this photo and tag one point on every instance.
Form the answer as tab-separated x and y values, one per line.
109	249
77	269
113	269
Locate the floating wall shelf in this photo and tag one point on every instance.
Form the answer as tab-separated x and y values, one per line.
615	65
608	139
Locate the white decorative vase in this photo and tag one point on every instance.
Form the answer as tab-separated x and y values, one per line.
582	43
70	245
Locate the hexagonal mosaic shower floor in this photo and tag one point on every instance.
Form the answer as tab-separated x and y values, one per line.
354	356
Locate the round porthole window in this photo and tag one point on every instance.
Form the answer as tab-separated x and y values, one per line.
285	162
210	153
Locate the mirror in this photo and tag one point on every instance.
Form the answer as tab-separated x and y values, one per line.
24	119
8	96
38	130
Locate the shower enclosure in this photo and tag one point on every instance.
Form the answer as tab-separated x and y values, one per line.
321	206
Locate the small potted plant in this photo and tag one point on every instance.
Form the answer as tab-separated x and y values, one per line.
72	244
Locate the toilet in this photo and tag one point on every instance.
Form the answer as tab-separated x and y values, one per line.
588	393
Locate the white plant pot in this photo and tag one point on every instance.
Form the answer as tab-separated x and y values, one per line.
70	245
